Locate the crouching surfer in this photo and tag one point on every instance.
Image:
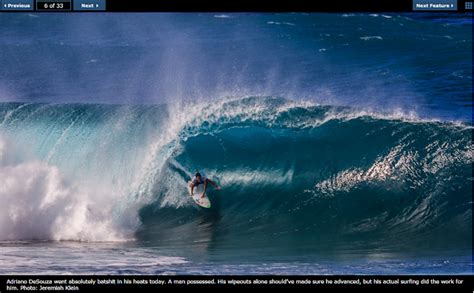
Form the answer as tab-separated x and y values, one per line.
198	180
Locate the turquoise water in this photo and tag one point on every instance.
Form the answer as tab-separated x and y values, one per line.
301	184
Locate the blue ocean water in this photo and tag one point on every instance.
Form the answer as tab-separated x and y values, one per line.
342	142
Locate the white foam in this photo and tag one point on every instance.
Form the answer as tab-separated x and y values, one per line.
256	177
222	16
279	23
39	203
368	38
228	110
97	258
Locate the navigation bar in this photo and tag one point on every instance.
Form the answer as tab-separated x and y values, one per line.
364	6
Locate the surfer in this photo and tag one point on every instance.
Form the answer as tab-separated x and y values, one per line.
198	179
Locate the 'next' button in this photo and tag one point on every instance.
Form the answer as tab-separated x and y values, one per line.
94	5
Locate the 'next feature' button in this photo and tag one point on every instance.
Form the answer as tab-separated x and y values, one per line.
435	5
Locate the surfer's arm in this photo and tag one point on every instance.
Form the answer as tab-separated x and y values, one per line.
192	189
213	183
205	187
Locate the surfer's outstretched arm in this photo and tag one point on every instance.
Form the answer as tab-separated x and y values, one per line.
213	184
192	189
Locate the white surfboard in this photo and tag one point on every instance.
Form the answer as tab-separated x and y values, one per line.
200	201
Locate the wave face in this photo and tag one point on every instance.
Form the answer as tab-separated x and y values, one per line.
294	175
